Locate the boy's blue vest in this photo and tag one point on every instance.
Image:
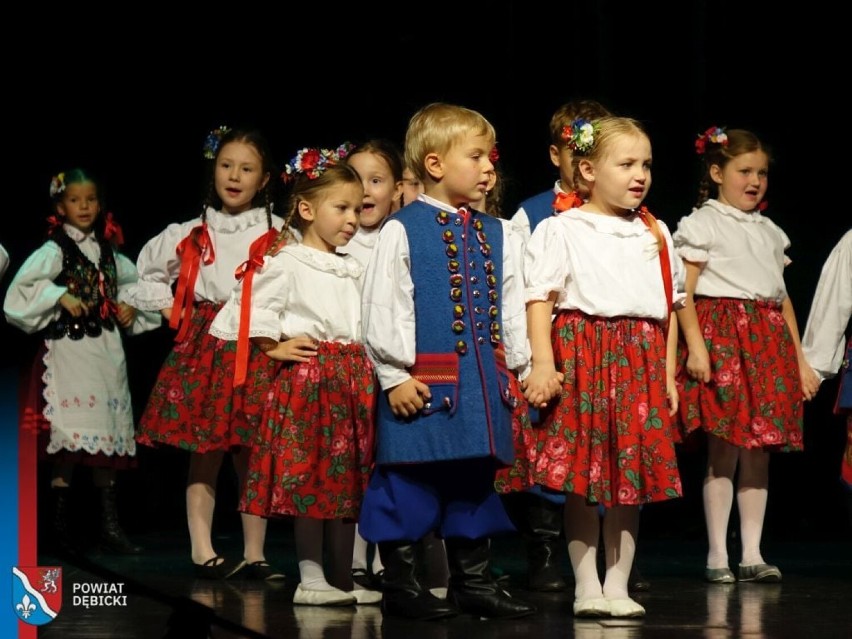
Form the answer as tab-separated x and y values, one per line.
538	207
457	271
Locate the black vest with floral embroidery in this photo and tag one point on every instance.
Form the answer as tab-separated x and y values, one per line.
82	278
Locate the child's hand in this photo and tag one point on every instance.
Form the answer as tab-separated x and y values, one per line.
73	305
407	399
698	364
672	395
125	315
296	349
541	385
810	380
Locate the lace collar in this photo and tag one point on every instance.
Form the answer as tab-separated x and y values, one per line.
734	212
227	223
334	263
630	226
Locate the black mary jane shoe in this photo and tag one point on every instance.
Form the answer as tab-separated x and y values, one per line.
218	568
261	571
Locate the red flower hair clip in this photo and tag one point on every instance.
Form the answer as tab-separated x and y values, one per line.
494	154
713	135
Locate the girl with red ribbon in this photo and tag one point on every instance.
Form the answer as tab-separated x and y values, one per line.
314	444
606	269
742	373
74	291
186	273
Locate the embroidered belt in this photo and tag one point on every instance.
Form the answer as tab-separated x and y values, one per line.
78	327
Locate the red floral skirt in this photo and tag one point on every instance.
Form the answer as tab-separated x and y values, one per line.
518	476
314	448
754	399
608	436
194	404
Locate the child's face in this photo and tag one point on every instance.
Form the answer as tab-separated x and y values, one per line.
620	179
411	186
334	218
743	181
463	172
561	157
79	205
381	191
238	176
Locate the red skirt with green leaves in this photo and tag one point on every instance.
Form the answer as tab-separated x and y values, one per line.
754	399
194	404
608	436
518	476
314	448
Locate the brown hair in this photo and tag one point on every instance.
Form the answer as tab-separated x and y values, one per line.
570	111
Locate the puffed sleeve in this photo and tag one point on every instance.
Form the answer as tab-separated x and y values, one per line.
32	300
823	341
514	307
269	289
784	238
693	238
545	260
387	307
127	277
158	266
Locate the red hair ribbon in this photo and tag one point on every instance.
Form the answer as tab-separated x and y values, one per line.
112	231
566	201
665	265
245	272
108	307
53	223
194	249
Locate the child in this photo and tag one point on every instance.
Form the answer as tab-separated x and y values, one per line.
823	339
379	163
741	370
444	323
73	290
411	187
608	438
551	202
193	404
312	452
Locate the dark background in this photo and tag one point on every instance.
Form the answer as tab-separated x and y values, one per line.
131	91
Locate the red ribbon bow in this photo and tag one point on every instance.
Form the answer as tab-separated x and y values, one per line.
566	201
53	223
108	307
245	272
112	231
194	249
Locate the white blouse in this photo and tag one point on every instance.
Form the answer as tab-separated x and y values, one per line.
607	266
300	291
32	301
388	307
361	245
823	341
230	236
742	254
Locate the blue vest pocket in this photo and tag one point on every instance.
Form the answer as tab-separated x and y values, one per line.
439	371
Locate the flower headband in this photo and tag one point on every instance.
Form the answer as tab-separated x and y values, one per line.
213	140
714	135
57	185
313	162
579	136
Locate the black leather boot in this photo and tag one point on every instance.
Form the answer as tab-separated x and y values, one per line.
65	540
403	594
113	536
539	521
472	586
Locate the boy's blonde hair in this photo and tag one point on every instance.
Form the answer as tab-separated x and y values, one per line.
436	128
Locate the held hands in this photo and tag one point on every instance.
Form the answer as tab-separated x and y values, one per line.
542	384
809	379
74	305
125	315
408	398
